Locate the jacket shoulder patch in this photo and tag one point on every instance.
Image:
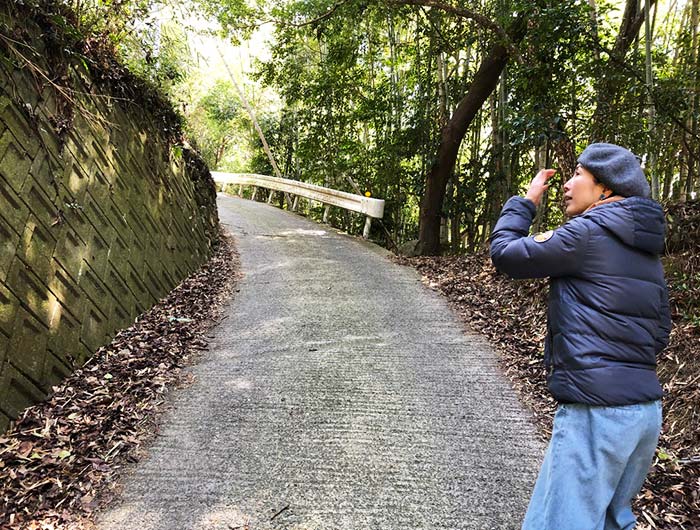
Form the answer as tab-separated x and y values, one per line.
543	236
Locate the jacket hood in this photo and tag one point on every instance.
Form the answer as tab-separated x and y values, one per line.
636	221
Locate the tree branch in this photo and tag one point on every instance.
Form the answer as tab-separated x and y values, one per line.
324	16
629	28
480	19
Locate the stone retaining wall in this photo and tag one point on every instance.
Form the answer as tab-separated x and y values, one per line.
100	217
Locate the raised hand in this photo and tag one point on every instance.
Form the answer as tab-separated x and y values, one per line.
539	185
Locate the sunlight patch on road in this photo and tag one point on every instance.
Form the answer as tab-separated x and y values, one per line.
224	517
240	384
302	231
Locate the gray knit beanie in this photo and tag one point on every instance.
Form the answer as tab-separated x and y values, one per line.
617	168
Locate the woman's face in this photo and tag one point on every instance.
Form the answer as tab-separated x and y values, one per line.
580	191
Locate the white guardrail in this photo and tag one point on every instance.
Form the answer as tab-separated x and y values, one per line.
372	208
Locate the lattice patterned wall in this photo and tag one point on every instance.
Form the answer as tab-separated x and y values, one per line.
95	227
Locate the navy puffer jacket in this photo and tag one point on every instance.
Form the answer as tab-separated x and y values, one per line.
608	314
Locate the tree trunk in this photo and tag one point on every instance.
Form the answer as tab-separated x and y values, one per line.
594	26
651	110
472	220
542	162
693	159
442	89
505	143
484	83
442	121
456	219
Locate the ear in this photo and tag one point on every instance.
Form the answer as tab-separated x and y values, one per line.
605	192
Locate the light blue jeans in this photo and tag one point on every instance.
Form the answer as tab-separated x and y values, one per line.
595	465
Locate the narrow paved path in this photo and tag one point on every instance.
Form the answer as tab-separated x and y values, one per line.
339	393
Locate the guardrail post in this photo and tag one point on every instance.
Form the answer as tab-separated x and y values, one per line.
270	196
240	190
368	225
295	203
288	200
325	213
255	193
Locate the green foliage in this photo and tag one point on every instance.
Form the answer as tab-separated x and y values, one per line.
547	89
364	100
348	100
126	30
216	122
238	18
82	38
367	87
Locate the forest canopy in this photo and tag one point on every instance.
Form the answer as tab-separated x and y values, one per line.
446	109
442	109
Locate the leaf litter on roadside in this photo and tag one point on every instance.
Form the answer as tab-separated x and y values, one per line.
61	458
512	315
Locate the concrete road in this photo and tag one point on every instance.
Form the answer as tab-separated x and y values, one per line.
339	393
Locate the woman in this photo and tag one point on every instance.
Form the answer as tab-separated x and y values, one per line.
607	319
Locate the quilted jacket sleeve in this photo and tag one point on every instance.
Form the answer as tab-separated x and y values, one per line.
519	256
